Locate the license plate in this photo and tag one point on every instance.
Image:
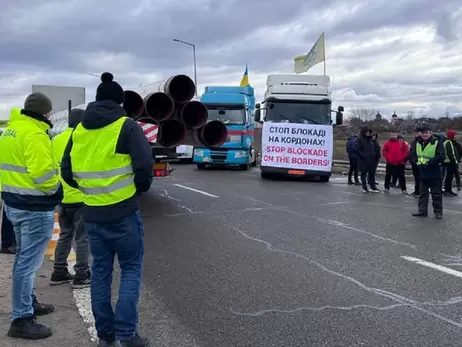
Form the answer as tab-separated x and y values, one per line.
159	166
296	172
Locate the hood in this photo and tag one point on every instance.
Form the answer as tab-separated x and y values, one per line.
363	131
352	137
99	114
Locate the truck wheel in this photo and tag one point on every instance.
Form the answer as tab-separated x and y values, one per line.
254	156
324	179
244	167
265	175
201	166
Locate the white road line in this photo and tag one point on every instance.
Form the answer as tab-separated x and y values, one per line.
82	300
433	266
196	190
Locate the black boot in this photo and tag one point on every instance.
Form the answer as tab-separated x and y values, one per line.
28	328
61	277
42	309
419	214
136	341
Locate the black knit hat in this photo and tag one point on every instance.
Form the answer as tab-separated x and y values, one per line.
38	103
109	90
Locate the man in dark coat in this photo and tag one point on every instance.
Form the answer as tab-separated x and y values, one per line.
428	154
415	169
353	158
366	150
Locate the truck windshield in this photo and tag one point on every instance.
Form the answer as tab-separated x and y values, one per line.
227	114
298	112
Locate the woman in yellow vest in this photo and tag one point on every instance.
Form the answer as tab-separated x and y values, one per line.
70	221
30	190
109	159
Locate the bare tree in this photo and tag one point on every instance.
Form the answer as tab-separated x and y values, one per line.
364	114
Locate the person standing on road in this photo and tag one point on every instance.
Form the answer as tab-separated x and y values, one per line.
353	159
70	221
458	149
451	162
375	139
8	237
428	155
366	150
110	160
30	190
415	169
395	152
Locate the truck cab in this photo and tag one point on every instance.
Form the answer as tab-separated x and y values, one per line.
297	136
235	107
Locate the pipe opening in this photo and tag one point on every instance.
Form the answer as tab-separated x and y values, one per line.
173	133
159	106
194	114
181	88
214	133
133	104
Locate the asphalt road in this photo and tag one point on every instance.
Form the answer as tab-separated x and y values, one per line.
234	260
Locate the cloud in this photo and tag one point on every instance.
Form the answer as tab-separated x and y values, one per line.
397	56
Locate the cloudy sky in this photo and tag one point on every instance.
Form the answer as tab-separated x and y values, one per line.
390	55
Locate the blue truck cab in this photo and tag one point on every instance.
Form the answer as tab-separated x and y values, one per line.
235	107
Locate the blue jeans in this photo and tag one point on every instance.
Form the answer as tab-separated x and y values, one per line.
126	240
8	237
33	230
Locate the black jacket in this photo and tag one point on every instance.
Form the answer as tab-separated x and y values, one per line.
131	141
368	152
431	171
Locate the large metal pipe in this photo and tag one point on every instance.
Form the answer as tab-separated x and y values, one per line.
151	129
173	133
159	106
213	134
180	88
133	104
193	114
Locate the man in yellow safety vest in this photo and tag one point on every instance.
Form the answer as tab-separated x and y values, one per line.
70	221
428	155
30	190
109	159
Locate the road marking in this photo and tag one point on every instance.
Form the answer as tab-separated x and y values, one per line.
433	266
197	191
82	298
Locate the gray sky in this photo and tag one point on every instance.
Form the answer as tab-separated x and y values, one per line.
394	56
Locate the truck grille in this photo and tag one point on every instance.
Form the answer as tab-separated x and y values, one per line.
218	157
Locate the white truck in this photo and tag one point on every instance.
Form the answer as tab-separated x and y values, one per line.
297	135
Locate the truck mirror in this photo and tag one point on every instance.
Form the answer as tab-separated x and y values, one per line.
257	115
257	106
339	117
340	109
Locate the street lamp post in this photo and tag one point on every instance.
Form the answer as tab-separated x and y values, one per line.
194	58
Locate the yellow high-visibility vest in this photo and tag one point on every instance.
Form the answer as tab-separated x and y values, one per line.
424	155
26	159
71	195
447	160
104	176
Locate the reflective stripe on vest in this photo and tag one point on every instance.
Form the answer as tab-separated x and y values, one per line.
423	156
104	176
28	191
447	160
71	195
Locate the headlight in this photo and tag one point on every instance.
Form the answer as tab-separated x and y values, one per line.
199	153
239	154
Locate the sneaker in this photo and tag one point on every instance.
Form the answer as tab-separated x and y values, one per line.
104	343
438	216
82	282
449	194
386	191
350	183
365	190
135	341
8	250
357	183
404	192
419	214
42	309
375	190
61	277
29	329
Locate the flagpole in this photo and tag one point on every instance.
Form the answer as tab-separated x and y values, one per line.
324	45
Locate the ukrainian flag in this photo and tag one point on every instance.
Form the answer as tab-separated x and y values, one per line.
245	78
